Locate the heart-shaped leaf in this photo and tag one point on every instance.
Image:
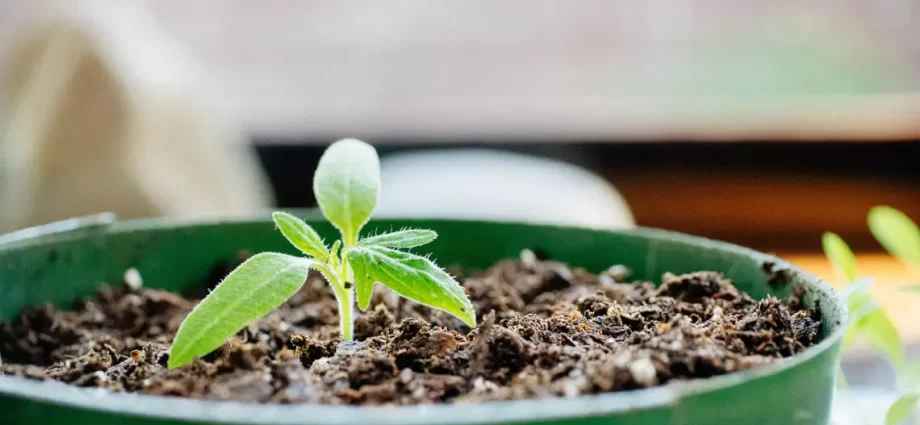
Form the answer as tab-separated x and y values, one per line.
346	185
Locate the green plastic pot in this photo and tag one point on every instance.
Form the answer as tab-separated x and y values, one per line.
65	261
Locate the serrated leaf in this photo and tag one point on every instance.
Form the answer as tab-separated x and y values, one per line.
413	277
840	256
346	185
408	238
897	233
301	235
901	408
255	288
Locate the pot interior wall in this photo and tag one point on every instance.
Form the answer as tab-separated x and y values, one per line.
61	268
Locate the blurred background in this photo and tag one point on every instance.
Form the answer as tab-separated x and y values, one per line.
761	123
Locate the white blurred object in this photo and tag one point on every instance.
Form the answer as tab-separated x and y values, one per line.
101	111
495	185
863	406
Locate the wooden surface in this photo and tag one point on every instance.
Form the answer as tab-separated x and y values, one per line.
544	70
786	208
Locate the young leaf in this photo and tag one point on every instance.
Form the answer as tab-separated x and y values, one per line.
901	408
860	304
255	288
413	277
402	239
364	282
301	235
334	254
840	256
869	319
884	337
897	233
346	186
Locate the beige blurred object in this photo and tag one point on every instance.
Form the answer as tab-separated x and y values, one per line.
101	111
484	184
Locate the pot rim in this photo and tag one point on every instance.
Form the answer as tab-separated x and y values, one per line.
232	412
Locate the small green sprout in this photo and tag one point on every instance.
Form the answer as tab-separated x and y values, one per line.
901	237
867	319
346	185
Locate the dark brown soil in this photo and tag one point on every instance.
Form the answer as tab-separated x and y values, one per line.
545	330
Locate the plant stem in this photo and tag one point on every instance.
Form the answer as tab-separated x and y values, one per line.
346	319
346	298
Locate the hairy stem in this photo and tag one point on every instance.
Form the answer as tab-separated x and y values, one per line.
344	294
346	319
346	299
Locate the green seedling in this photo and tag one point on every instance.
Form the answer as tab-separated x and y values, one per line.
867	318
900	236
346	185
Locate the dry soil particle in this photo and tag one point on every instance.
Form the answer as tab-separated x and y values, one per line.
545	330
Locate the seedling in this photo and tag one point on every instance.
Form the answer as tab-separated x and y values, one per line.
901	237
346	185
